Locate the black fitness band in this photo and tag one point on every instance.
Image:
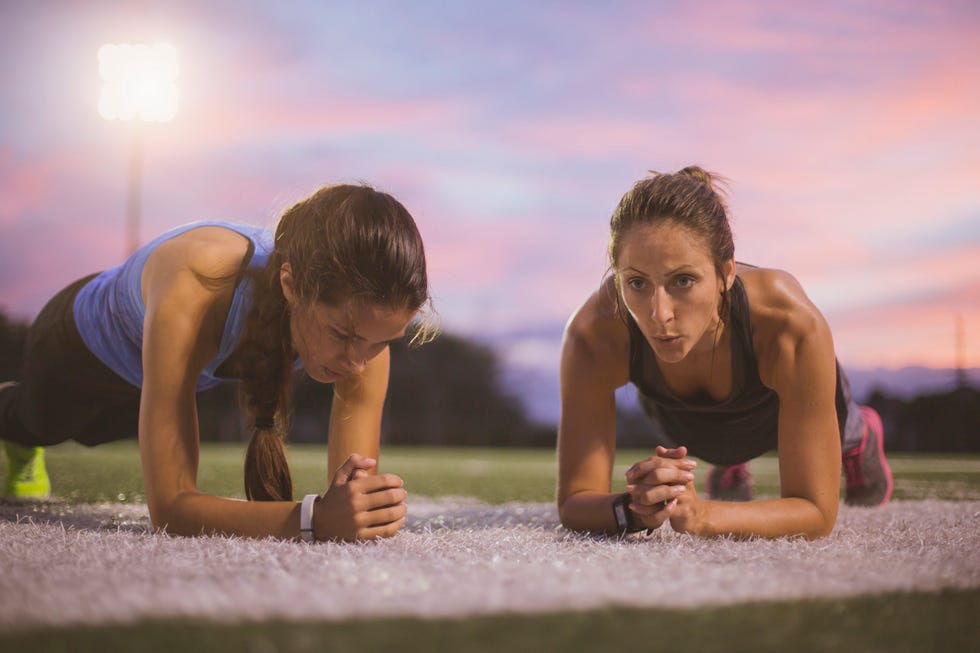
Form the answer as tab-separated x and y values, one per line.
623	515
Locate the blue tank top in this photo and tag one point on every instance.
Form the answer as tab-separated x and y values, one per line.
109	310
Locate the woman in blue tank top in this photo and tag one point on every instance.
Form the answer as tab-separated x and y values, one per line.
125	352
731	360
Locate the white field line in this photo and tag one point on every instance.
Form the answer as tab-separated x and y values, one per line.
100	564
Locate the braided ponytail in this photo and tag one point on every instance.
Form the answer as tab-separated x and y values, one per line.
266	378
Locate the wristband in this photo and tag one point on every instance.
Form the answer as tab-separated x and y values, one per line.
306	518
621	512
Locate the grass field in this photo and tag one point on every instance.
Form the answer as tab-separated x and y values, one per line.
894	622
112	472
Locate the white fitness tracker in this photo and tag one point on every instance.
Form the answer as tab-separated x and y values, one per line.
306	518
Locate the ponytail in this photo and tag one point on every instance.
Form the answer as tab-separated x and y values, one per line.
343	242
267	476
266	377
715	182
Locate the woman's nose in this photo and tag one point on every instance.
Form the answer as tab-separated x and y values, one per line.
355	360
661	307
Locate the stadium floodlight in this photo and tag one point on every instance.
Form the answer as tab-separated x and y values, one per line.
140	82
140	85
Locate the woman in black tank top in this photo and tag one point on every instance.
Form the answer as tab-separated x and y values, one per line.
733	361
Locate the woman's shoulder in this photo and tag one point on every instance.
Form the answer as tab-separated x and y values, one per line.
195	272
598	328
782	314
772	292
208	252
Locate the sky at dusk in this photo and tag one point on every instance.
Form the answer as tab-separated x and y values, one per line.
850	132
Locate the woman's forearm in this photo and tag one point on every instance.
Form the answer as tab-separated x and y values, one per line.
768	518
195	513
588	511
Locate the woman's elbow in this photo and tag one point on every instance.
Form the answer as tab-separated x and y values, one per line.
562	503
160	518
818	533
571	516
565	515
167	517
824	525
569	511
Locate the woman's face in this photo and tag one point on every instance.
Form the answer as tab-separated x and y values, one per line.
668	283
336	342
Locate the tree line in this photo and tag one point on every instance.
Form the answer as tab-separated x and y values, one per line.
941	422
946	422
450	392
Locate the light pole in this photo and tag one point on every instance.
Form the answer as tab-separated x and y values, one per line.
139	85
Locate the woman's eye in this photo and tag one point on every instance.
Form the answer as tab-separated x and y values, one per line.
636	284
685	282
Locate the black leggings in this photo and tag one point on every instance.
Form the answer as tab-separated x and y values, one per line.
65	392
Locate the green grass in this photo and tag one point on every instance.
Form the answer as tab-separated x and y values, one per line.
112	472
895	622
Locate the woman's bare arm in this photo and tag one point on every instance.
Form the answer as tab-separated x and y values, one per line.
355	417
796	359
184	320
594	362
586	438
180	335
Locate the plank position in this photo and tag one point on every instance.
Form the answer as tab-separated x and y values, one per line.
125	352
732	360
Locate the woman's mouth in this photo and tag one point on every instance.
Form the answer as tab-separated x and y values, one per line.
329	373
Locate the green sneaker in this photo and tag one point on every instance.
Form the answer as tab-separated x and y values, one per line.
26	476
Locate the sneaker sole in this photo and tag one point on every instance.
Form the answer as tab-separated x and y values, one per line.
873	421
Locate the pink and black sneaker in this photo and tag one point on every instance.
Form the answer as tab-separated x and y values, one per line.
733	483
869	479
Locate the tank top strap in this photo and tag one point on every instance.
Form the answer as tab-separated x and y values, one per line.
745	368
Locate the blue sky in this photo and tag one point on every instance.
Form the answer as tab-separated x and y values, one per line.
850	132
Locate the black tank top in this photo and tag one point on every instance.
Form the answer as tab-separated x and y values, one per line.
744	425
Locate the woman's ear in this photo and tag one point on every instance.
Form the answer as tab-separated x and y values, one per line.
287	283
729	270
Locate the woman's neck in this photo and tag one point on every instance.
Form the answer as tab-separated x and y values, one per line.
707	367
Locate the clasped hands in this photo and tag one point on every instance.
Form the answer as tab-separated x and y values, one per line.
358	506
661	487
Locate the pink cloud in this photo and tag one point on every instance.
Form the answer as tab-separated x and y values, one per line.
51	256
232	122
855	33
923	90
25	186
920	332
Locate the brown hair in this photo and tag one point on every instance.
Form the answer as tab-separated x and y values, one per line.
343	243
691	197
